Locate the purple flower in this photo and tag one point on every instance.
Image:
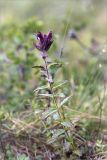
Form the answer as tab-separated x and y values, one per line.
44	41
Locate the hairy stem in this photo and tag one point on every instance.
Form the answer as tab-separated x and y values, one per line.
51	89
61	115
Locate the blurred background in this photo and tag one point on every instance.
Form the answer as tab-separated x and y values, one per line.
48	10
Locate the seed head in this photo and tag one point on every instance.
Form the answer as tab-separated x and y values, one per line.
72	34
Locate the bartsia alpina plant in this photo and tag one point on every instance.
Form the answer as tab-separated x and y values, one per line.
50	95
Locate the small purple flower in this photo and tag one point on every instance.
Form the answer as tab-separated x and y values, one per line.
44	41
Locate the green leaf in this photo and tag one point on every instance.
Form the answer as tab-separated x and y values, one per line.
41	88
51	141
65	100
49	113
60	84
66	124
40	67
51	96
45	95
53	67
58	132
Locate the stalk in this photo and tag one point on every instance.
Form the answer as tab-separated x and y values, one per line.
62	116
51	89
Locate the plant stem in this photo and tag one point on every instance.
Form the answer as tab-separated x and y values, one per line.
51	89
62	116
